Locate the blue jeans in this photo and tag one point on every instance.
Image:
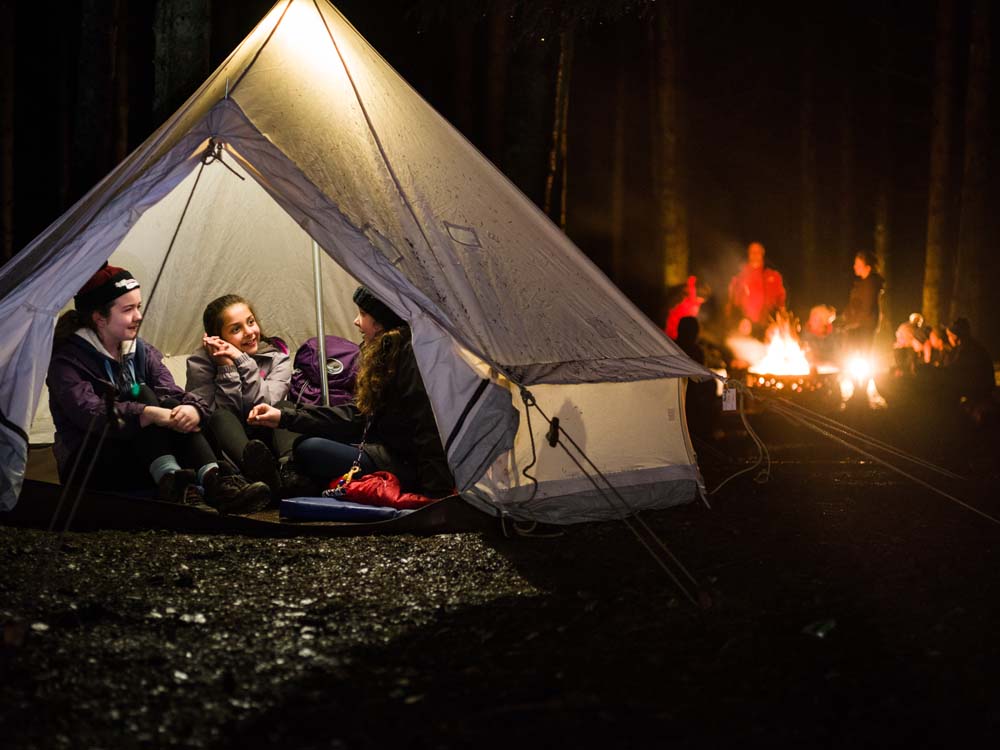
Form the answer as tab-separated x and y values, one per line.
324	460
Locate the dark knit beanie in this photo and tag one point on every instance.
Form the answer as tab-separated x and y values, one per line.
109	283
369	303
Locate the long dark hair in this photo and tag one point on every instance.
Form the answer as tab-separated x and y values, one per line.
72	321
212	317
379	363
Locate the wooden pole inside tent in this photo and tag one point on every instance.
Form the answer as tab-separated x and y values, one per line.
320	333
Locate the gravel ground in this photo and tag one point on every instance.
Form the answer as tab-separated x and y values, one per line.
849	608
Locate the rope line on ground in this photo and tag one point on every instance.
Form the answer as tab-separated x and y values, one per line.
863	437
614	490
631	512
790	414
529	401
45	565
763	454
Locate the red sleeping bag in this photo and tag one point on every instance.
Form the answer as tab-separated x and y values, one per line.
381	488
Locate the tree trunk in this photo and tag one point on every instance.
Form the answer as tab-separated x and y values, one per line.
93	151
937	214
496	82
527	117
70	56
674	252
557	153
119	40
182	37
618	261
966	298
885	168
6	130
847	189
807	166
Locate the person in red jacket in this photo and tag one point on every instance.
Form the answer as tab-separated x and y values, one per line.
687	307
756	292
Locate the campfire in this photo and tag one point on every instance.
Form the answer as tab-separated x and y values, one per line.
784	355
784	366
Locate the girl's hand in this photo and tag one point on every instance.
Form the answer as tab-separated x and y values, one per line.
264	415
220	350
184	418
154	415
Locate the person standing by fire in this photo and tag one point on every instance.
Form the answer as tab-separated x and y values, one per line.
755	293
863	313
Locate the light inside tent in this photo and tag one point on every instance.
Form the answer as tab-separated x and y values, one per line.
305	37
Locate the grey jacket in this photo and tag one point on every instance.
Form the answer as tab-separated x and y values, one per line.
261	378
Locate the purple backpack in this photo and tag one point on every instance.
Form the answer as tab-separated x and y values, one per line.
341	369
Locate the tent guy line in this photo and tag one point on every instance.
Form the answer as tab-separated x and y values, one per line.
800	416
554	438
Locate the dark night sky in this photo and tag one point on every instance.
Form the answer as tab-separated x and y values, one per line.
742	86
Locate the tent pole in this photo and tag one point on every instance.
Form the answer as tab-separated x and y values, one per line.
320	333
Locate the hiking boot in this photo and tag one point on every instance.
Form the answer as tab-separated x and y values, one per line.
178	487
259	466
229	493
296	484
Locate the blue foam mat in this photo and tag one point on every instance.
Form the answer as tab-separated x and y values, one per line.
332	509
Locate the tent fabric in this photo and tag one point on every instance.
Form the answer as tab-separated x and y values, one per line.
321	141
633	433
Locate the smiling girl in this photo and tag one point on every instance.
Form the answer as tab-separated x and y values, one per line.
236	368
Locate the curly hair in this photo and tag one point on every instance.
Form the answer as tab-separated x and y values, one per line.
379	363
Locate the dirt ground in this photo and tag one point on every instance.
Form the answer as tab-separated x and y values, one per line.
851	607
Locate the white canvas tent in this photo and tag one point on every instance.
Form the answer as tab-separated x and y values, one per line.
334	147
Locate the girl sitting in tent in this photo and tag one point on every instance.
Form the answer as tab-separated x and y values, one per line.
237	368
103	376
388	427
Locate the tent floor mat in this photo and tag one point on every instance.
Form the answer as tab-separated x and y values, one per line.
107	510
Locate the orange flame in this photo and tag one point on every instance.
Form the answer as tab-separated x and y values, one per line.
784	355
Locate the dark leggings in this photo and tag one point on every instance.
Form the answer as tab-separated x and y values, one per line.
325	460
229	435
123	463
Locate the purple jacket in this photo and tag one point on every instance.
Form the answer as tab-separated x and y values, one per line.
80	375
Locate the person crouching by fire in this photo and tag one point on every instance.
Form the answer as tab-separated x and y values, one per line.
817	335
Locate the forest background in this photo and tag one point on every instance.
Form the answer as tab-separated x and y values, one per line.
662	135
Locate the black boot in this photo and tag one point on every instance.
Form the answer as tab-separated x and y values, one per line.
230	493
178	487
259	466
296	484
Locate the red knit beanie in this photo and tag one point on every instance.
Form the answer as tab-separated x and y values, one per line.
109	283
